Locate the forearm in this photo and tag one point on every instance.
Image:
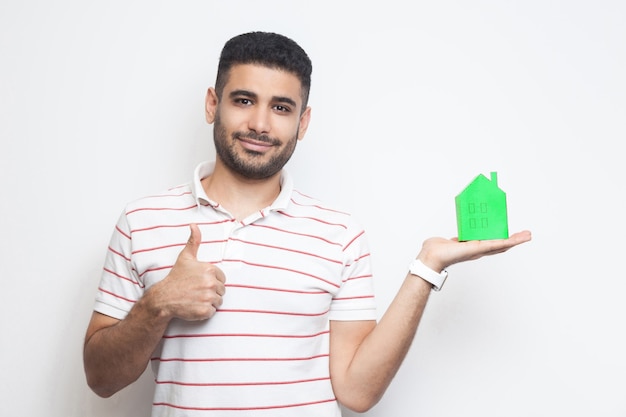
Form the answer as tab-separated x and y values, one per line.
116	355
381	353
366	357
117	352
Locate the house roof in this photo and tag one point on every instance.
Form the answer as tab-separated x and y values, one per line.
482	183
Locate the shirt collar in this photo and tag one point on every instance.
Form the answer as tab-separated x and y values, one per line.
205	169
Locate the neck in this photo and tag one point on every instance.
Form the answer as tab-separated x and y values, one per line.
239	195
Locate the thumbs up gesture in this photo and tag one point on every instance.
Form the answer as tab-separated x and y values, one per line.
193	290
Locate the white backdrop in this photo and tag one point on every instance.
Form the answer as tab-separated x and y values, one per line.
102	102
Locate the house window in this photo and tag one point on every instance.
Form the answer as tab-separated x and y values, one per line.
484	222
483	207
471	207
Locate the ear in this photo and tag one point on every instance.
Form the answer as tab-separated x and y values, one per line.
305	118
210	105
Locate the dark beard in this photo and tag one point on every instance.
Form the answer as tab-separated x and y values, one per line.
251	167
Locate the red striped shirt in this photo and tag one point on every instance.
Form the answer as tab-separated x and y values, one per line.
290	268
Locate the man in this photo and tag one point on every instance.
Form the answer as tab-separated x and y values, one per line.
248	297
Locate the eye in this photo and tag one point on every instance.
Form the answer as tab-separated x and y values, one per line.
282	109
243	101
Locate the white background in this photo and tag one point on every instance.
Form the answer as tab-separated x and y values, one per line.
102	102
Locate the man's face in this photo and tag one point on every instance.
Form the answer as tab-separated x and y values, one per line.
258	120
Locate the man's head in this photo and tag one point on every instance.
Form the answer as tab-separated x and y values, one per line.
266	49
258	105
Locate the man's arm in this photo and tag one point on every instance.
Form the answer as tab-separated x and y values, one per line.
116	352
365	356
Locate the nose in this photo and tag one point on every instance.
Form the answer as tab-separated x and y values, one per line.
260	120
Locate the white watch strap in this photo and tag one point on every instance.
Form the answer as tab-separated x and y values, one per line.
435	278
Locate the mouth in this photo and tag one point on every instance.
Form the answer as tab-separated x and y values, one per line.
256	144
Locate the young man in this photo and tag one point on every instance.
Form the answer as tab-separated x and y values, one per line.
248	297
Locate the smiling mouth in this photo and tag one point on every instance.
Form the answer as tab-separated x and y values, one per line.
256	143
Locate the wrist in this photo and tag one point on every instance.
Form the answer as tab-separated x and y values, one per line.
431	261
154	306
425	272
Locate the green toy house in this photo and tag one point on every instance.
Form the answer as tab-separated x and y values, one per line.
481	210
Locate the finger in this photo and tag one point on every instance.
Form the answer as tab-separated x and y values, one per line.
503	245
219	275
220	290
521	237
195	237
218	301
513	240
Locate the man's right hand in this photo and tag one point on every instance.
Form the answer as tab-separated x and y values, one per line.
117	351
193	290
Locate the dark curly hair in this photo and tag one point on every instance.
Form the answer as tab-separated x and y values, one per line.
267	49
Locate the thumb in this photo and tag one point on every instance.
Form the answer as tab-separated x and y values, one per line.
195	237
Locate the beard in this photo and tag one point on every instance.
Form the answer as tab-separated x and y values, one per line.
250	164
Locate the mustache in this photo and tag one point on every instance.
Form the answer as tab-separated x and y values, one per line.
255	136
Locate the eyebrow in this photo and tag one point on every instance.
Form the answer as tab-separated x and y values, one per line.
250	94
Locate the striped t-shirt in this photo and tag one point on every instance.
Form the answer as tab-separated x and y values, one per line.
290	268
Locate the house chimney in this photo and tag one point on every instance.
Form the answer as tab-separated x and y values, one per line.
494	178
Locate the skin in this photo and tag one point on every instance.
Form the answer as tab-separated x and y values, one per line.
364	355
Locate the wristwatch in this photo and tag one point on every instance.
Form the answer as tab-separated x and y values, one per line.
435	278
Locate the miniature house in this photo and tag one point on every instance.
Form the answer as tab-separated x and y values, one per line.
481	210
